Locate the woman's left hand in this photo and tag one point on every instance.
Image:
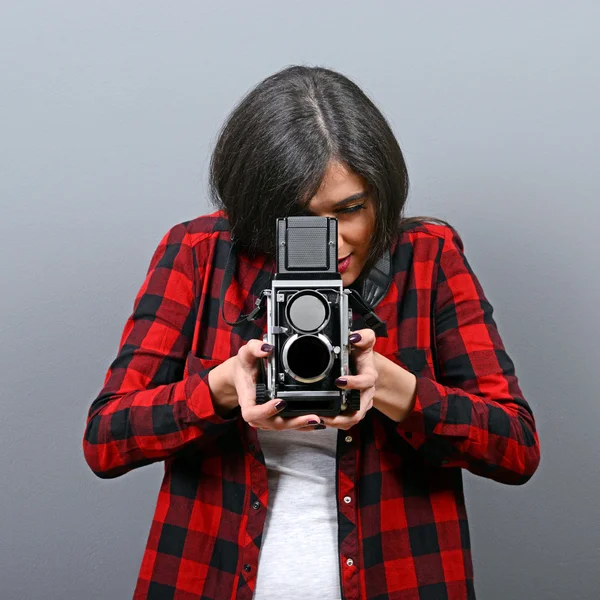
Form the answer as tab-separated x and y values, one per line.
362	352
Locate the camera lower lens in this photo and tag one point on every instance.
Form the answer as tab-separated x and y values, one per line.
307	358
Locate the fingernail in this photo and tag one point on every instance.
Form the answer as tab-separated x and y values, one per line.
281	405
266	348
320	427
355	337
313	422
341	381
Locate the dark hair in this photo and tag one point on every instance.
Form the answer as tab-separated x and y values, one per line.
274	149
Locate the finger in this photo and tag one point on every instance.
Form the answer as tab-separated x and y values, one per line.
312	427
279	423
259	412
245	380
245	386
254	349
342	422
363	339
362	381
282	423
348	419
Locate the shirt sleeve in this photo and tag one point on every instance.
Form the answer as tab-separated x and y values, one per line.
475	415
155	399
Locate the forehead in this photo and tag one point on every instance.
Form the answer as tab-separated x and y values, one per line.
339	182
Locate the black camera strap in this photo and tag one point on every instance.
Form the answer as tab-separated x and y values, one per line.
259	304
371	320
374	288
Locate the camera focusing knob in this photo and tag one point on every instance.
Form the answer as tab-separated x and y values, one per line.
261	393
353	399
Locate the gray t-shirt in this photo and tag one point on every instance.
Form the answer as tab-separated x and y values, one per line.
298	559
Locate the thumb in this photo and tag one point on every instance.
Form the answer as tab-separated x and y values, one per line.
363	339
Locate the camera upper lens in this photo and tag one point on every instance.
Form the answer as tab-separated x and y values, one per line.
307	311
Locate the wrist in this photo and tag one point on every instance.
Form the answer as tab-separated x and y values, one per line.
222	388
395	393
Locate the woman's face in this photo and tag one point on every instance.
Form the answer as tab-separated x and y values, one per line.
344	195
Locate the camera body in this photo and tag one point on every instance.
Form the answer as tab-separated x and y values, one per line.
308	322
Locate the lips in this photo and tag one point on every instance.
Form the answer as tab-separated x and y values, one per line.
344	263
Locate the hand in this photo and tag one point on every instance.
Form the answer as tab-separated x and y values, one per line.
365	380
245	370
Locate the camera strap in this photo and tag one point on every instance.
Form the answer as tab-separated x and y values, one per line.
371	320
374	287
259	304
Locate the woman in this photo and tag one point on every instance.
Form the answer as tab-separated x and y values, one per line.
367	504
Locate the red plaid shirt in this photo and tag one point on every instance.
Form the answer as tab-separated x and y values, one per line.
406	534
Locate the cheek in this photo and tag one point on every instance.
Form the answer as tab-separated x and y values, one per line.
359	232
365	231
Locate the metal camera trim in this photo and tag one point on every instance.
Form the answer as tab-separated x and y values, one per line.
285	364
314	293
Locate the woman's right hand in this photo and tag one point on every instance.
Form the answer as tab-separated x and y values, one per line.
244	372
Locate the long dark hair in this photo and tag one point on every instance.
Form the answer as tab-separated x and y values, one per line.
275	146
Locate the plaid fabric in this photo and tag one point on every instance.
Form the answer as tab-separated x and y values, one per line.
404	535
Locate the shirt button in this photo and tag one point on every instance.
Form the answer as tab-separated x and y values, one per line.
347	499
247	568
348	438
349	562
256	505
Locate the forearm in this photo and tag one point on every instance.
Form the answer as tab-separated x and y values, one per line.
127	429
492	437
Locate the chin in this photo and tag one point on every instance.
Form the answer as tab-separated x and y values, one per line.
348	278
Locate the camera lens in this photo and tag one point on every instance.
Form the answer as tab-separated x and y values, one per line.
307	358
307	311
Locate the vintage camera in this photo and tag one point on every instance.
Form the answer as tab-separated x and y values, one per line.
308	322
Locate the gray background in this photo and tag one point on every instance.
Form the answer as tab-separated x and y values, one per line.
108	113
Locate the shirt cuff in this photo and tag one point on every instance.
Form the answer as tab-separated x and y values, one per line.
430	414
199	398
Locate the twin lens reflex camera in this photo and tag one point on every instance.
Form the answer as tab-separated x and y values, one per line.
308	322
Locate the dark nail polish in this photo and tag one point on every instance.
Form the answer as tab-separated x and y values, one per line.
281	405
341	381
266	347
355	337
320	427
313	422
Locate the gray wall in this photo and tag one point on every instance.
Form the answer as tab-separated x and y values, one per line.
108	111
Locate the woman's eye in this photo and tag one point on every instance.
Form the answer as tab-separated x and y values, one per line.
351	209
